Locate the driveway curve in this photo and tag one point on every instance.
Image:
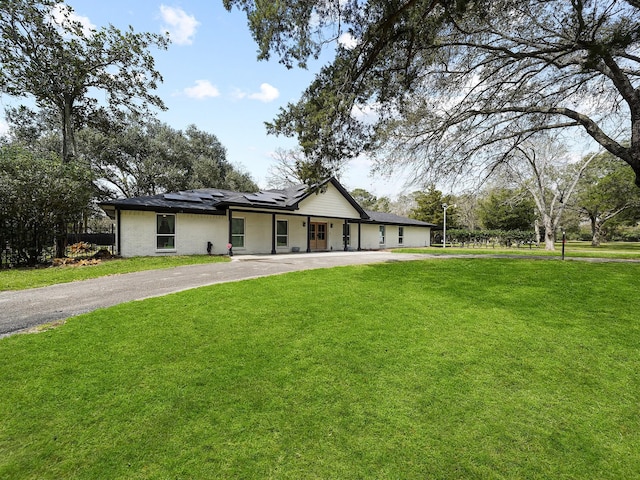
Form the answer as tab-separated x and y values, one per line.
25	309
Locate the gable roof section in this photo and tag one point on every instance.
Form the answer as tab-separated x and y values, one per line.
329	199
392	219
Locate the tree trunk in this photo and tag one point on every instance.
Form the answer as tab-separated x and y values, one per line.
634	151
549	240
596	232
61	239
68	137
549	233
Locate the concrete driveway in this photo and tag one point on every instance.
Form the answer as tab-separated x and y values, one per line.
24	309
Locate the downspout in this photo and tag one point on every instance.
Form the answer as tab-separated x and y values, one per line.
118	249
273	234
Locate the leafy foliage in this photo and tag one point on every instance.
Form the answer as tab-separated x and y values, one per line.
429	207
47	54
144	156
505	209
491	237
38	194
606	194
455	85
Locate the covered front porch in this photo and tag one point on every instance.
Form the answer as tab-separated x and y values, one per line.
252	231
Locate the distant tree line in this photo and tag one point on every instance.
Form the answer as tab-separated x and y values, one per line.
597	193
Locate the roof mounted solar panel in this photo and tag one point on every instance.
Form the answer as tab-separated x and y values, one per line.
181	197
301	194
260	198
204	196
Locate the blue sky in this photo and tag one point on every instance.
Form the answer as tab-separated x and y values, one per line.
213	80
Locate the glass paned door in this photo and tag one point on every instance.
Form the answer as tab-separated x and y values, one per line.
318	236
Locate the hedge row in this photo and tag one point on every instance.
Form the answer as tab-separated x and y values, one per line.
491	238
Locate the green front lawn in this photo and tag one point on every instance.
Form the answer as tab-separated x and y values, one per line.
21	278
464	368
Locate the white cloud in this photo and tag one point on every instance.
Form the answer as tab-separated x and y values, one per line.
61	14
202	89
238	94
267	93
348	41
180	26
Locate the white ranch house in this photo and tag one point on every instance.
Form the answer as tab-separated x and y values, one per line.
268	222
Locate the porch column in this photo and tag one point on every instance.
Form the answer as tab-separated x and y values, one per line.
359	235
118	230
345	230
273	234
308	234
230	226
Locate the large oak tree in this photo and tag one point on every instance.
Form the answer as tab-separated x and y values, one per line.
47	54
143	156
454	84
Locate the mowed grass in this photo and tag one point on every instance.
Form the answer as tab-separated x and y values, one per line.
620	250
449	369
23	278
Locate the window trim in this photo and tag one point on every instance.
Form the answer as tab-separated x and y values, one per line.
169	235
242	235
285	235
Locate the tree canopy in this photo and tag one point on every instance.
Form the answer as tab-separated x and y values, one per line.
144	156
605	193
47	54
455	85
38	193
506	209
429	207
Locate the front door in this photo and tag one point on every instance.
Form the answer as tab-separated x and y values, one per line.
318	236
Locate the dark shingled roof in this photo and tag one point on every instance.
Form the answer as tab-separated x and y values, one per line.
392	219
214	201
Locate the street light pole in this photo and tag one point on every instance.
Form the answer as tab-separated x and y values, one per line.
444	226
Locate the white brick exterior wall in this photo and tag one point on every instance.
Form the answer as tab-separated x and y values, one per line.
138	234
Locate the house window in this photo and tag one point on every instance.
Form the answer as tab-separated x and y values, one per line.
282	233
237	232
400	235
382	234
346	233
165	232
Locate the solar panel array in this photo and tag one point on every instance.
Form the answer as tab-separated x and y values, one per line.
270	198
267	197
193	197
